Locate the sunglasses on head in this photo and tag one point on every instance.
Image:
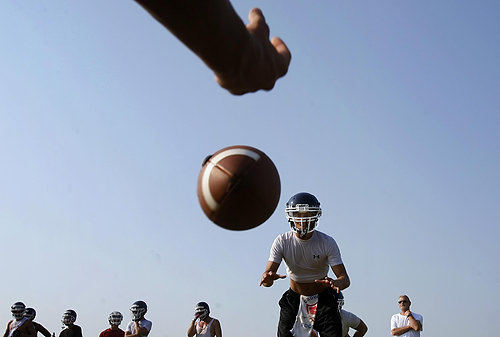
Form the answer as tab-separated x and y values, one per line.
402	301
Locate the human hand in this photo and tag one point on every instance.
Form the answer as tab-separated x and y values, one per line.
328	282
263	61
269	277
407	313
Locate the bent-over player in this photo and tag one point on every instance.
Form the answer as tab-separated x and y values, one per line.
308	255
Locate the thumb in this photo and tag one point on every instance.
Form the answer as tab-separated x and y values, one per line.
257	23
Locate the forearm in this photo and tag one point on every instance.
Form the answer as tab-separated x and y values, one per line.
192	329
414	324
342	282
400	331
210	28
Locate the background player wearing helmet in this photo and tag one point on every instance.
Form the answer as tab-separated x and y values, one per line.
71	329
30	315
308	254
351	321
202	324
115	318
139	326
19	326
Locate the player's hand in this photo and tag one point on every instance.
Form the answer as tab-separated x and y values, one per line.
269	277
263	61
407	312
329	282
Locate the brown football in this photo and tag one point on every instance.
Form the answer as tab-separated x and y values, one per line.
238	187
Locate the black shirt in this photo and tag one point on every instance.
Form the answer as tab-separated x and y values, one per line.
71	331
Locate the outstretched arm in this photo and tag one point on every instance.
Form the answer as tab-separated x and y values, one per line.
342	280
270	275
242	58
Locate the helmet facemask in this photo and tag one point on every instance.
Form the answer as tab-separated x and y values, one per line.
137	313
202	313
202	310
29	314
115	318
302	218
68	318
17	310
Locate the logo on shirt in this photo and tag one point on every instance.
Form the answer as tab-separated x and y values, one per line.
311	310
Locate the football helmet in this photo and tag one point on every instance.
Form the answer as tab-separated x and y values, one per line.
17	310
69	317
138	309
115	318
302	212
29	313
340	300
201	310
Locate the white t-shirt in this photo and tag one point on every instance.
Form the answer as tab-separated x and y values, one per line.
306	260
143	324
349	320
399	321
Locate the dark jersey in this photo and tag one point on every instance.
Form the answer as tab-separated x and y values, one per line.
112	333
71	331
39	328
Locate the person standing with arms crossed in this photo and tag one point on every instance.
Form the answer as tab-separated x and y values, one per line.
406	323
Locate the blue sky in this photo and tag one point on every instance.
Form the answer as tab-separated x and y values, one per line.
389	115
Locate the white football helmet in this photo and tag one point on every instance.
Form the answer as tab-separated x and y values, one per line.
115	318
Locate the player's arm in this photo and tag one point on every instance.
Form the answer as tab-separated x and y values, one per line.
342	280
140	330
6	333
270	275
401	330
242	58
414	323
361	329
40	328
192	328
217	328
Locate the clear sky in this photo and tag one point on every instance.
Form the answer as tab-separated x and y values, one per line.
389	115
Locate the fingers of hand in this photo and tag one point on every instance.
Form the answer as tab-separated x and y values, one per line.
257	23
284	54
